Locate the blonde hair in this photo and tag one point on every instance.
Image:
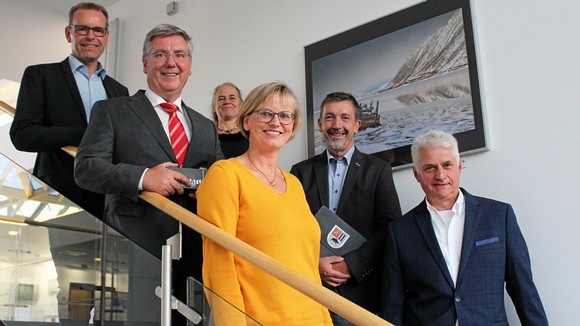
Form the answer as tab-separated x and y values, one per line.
262	93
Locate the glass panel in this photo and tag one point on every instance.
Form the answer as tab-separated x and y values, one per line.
201	299
60	264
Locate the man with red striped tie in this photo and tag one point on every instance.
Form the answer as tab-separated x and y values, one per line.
132	141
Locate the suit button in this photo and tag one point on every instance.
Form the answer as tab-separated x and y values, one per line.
457	299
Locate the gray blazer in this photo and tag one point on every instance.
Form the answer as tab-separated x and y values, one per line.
124	137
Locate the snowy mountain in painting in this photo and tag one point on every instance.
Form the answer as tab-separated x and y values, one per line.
442	52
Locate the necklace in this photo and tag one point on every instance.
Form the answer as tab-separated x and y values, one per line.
273	182
228	131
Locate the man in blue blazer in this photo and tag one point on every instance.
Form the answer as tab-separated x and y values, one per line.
448	259
55	100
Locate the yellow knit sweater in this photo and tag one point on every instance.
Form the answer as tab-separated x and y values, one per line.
280	225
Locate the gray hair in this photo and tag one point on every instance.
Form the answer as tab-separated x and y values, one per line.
339	97
214	98
165	30
433	139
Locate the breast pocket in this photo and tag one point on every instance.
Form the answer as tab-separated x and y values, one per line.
489	255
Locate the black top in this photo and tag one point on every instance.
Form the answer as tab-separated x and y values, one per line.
233	144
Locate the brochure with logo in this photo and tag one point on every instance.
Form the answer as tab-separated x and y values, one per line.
338	237
195	176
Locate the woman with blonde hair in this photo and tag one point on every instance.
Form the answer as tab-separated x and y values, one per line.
251	198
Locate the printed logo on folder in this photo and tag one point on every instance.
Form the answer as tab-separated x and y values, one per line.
337	237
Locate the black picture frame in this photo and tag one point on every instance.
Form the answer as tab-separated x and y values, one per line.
420	62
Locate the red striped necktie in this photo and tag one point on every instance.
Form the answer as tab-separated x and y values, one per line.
177	134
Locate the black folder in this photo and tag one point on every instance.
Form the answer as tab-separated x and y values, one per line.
195	176
337	237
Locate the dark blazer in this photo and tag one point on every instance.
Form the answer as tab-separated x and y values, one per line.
124	138
49	115
368	202
417	285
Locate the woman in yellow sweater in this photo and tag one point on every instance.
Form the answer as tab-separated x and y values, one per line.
251	198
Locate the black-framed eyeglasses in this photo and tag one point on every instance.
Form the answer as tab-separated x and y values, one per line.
84	30
266	115
162	56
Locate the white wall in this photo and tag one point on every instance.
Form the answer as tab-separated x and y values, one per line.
32	32
528	57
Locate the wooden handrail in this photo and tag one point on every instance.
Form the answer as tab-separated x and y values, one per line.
308	287
7	108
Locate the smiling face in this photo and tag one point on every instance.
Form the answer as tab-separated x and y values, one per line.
167	77
87	48
273	134
438	172
227	103
338	125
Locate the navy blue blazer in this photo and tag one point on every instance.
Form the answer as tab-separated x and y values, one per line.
417	286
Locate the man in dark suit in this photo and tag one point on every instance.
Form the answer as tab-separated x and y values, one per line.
55	100
357	187
448	259
127	148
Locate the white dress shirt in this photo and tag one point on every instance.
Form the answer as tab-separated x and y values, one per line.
448	226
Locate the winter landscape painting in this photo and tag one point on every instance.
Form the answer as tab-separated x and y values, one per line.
417	75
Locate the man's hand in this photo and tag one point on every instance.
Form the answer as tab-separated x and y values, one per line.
333	270
164	181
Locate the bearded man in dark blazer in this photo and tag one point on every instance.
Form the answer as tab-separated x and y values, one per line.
359	188
55	101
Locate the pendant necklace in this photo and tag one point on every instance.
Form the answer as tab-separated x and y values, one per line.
273	182
228	131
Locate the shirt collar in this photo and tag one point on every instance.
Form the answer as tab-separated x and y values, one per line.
347	156
457	207
77	65
157	100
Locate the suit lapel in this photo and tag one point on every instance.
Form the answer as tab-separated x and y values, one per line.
423	220
194	142
73	88
146	113
472	218
357	162
321	177
110	89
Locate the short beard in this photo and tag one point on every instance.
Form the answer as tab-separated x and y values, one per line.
335	145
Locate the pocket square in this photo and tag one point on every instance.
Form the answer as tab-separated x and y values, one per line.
486	241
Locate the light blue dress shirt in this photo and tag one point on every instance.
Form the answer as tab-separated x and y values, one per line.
91	88
337	169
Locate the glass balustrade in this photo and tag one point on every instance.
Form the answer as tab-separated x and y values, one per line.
59	264
200	297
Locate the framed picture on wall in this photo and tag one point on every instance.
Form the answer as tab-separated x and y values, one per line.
411	71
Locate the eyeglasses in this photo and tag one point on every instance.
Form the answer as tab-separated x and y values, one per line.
162	56
266	115
84	30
